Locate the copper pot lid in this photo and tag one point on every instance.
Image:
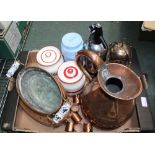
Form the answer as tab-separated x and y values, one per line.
119	81
39	90
48	56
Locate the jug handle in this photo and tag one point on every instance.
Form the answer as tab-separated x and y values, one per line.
96	60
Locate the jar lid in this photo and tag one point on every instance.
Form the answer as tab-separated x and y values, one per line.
48	56
69	72
72	40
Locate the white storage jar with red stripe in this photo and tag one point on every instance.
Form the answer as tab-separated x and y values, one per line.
49	58
71	77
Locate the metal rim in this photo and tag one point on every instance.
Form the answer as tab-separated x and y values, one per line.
61	89
122	80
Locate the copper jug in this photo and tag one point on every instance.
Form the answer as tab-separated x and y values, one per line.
108	100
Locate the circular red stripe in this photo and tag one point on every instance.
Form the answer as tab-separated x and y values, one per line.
51	64
45	54
66	70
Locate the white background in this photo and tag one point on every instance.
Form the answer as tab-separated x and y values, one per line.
77	10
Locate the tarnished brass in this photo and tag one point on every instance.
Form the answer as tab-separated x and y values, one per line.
76	117
119	52
87	127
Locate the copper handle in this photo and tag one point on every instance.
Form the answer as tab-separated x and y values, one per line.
144	81
96	60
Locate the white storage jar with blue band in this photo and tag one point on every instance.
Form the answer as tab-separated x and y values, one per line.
71	43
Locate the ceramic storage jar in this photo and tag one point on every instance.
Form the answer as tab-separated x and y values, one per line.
71	77
49	58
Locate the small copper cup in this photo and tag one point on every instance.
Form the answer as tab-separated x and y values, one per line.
75	108
76	117
78	127
76	99
87	127
69	127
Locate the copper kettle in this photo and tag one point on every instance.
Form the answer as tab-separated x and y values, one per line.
119	52
108	100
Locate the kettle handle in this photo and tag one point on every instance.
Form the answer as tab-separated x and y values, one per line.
96	60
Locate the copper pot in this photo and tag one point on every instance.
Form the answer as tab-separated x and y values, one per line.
109	99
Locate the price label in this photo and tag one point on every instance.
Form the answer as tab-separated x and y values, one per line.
144	102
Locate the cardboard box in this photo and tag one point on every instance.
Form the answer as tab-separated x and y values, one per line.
11	40
150	25
15	119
